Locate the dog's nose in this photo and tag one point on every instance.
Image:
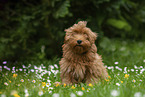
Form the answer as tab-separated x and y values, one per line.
79	41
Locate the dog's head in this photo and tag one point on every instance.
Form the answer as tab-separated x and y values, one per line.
79	37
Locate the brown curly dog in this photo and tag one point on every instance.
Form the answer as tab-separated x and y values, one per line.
80	62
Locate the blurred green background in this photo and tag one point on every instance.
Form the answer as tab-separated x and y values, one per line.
34	29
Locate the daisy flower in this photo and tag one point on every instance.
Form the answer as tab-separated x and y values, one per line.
4	62
114	93
6	84
133	80
117	84
72	95
137	94
80	93
40	93
116	62
55	95
22	80
33	81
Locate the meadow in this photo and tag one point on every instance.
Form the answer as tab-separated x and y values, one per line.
124	60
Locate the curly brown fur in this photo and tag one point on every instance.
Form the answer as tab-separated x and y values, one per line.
80	62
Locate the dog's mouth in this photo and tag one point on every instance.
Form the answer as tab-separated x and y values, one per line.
78	45
79	48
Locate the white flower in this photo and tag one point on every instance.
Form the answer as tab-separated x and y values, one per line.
55	95
26	91
53	71
116	62
33	81
6	84
135	66
50	88
49	73
137	94
22	80
50	92
143	60
111	67
29	65
133	80
140	80
0	68
48	84
35	67
18	85
40	93
117	84
55	65
72	95
25	69
141	66
51	67
79	93
125	69
32	70
27	94
118	68
20	69
40	69
48	81
24	66
114	93
3	95
142	70
132	70
4	62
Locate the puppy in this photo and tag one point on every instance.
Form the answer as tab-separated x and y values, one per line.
80	62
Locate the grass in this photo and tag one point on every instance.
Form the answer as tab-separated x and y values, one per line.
124	60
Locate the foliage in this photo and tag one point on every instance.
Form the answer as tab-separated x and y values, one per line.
126	52
34	30
32	80
125	62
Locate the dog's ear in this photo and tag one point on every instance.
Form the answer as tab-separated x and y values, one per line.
93	36
67	37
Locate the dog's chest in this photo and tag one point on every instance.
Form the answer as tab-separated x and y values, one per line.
80	71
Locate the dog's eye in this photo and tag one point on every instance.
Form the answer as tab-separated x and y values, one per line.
72	35
86	36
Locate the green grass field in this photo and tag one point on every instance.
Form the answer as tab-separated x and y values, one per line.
125	61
